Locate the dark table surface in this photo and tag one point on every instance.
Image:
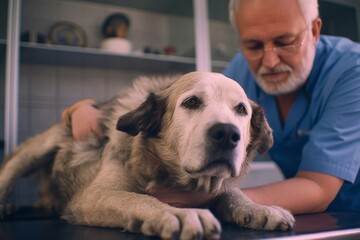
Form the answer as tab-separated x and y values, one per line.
30	224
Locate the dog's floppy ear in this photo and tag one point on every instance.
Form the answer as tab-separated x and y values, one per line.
261	133
146	118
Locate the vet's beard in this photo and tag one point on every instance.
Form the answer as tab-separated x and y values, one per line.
294	80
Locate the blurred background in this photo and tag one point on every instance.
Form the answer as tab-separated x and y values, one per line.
54	53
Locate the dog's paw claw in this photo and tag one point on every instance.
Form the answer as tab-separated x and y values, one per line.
264	218
247	219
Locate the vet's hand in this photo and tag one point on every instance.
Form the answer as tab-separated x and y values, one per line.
84	121
179	198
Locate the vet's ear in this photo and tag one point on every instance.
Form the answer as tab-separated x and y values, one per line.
146	118
261	133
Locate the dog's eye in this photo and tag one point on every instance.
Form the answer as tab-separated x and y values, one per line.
192	102
241	109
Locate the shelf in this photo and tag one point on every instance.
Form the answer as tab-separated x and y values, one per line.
32	53
218	66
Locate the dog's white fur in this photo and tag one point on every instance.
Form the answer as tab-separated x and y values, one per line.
196	132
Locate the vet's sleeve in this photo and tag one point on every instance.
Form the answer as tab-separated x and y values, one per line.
334	144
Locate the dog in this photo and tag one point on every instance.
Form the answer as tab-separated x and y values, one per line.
193	132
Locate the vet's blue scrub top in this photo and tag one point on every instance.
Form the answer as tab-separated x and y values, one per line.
322	132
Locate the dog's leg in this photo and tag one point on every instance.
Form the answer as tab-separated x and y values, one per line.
104	204
138	212
234	206
27	157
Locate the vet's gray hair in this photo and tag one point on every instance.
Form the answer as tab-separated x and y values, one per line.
309	9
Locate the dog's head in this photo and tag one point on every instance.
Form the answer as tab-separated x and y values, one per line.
204	125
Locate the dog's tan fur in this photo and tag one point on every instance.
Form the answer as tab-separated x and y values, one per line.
157	134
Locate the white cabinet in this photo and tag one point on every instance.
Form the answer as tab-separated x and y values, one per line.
45	78
150	26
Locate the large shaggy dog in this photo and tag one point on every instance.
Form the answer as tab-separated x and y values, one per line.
196	132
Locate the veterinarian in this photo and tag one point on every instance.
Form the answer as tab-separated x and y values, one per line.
309	86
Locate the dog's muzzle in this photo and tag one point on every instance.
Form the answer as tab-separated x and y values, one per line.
222	140
223	136
220	157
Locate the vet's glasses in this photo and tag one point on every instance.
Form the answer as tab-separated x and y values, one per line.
257	51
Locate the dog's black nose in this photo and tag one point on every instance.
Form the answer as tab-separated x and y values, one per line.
225	136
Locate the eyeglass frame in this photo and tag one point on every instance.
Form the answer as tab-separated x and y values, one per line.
275	49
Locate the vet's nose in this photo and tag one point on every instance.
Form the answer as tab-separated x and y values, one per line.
225	136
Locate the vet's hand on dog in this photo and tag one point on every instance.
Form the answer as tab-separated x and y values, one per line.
84	121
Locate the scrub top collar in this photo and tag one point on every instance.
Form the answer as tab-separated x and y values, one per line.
296	114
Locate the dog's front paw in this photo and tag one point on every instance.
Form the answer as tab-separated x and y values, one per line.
261	217
183	224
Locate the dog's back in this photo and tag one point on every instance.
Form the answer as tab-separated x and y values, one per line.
62	165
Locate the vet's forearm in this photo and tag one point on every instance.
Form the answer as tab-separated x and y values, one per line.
301	194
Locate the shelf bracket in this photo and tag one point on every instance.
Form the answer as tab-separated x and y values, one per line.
202	42
12	77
